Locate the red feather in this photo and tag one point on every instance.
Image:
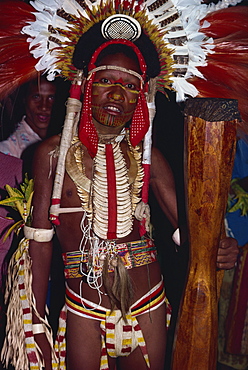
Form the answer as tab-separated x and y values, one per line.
226	74
17	65
227	21
233	48
230	75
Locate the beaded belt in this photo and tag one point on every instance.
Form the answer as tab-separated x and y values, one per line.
133	254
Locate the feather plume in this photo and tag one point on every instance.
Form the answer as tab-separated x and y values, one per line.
16	62
226	22
226	72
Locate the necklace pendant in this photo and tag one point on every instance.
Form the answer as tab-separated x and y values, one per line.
102	258
114	261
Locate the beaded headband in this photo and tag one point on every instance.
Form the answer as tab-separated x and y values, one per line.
116	68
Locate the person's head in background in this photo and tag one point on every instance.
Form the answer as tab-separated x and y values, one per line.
38	102
15	106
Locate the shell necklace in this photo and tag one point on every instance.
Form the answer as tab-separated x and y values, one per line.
111	197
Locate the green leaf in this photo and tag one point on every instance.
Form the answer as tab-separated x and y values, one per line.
29	190
14	192
20	200
9	201
14	227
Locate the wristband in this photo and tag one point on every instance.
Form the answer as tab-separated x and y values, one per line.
38	329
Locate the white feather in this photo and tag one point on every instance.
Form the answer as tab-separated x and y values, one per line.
190	13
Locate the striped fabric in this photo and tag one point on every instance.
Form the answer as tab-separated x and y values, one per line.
119	338
60	342
133	254
19	345
27	319
90	310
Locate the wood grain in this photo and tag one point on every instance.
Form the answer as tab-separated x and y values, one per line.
209	154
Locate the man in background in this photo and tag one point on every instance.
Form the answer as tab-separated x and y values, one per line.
38	100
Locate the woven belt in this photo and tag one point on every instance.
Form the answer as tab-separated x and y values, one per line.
133	254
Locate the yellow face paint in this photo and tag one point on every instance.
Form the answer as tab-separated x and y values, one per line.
129	89
133	101
114	96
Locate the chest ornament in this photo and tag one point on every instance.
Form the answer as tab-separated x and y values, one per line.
111	197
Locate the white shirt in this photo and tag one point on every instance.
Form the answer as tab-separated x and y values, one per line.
21	138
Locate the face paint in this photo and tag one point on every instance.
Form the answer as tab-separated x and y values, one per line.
104	116
115	95
129	87
107	119
115	104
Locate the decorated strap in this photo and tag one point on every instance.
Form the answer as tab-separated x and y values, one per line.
19	345
120	338
112	196
72	116
133	254
147	149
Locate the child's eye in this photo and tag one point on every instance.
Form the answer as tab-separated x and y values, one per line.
51	98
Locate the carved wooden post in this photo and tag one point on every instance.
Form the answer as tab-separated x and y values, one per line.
210	137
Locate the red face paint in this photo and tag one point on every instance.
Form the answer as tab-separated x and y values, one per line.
115	93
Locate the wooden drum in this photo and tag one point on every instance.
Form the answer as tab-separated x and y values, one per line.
210	138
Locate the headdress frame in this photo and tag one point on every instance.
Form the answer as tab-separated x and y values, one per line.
92	40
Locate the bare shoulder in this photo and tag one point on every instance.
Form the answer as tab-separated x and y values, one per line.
48	145
156	153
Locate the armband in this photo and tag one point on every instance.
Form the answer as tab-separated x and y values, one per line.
176	237
38	329
38	235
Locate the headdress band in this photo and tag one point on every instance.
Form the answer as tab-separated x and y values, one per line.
116	68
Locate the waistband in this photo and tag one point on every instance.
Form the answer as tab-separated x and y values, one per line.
90	310
133	254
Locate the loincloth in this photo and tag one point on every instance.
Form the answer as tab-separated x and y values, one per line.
133	254
119	338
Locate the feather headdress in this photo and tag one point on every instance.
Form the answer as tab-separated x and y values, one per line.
43	35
